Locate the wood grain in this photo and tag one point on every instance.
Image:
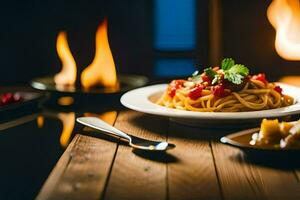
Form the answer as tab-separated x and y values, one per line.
237	179
198	168
138	175
279	183
241	179
53	179
82	171
194	175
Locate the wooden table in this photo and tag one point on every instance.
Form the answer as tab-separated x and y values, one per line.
95	166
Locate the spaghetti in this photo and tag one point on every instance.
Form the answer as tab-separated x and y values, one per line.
253	93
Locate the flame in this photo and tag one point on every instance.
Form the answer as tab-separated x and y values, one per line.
102	70
284	15
67	75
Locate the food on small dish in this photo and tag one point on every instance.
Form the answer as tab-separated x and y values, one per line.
270	131
277	134
226	89
10	98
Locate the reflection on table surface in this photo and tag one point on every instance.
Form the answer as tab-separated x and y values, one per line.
31	146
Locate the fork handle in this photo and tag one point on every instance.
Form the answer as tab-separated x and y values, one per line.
99	124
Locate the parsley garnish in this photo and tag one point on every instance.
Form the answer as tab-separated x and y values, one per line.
227	63
216	79
212	74
234	73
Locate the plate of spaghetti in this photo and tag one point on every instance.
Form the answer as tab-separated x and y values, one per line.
225	94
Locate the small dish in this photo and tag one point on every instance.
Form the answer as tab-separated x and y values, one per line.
143	100
127	82
242	140
30	103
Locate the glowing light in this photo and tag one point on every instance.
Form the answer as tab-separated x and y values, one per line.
109	117
67	75
102	70
68	121
284	15
40	120
65	101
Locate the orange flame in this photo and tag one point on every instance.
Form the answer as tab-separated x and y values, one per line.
102	70
284	15
67	75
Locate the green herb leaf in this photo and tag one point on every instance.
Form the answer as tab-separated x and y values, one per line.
216	79
210	72
236	73
195	73
227	63
239	69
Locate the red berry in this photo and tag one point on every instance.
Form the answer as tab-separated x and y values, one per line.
6	98
219	91
278	89
260	77
195	93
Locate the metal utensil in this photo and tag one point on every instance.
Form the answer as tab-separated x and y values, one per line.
135	142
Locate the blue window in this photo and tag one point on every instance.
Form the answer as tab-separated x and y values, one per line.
175	25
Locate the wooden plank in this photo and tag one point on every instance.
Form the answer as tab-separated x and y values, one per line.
193	176
138	175
82	171
237	179
49	186
297	173
253	181
279	183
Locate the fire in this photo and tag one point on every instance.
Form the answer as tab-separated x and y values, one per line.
67	75
102	70
284	15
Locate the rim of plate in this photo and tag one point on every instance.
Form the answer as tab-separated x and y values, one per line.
138	100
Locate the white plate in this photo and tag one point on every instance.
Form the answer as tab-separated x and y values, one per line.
142	100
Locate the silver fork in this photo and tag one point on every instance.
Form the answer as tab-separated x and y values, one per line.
135	142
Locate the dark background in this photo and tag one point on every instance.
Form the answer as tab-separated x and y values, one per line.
29	30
